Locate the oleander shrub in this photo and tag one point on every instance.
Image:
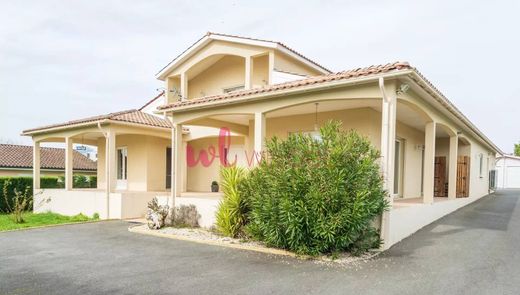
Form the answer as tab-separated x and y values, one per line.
316	195
231	215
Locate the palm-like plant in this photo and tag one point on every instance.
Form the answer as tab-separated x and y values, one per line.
232	210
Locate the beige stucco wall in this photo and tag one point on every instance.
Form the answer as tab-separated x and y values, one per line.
199	178
260	76
229	71
286	63
146	162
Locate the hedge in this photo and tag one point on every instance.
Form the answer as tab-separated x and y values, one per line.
20	184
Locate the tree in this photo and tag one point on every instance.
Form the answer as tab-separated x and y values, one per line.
517	149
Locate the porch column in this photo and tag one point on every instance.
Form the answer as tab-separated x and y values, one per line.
429	162
36	165
184	86
452	168
249	73
259	141
388	131
177	162
68	163
111	161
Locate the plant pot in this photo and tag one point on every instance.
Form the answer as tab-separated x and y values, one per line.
214	188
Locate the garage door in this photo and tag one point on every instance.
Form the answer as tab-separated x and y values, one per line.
513	177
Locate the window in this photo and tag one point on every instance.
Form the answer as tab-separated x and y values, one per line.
234	88
481	164
122	162
398	166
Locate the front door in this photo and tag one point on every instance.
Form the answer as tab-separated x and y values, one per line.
463	177
122	164
440	177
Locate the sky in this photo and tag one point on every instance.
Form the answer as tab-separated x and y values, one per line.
64	60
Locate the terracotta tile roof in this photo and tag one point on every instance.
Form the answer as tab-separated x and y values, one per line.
21	156
345	75
129	116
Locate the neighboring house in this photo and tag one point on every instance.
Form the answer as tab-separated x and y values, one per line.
508	171
434	160
17	160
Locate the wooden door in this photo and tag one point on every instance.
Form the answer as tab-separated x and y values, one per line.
463	176
440	177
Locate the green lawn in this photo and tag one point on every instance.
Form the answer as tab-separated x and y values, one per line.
40	219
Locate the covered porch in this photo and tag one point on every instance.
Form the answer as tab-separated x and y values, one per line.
133	164
424	157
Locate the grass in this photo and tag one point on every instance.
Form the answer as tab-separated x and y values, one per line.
40	219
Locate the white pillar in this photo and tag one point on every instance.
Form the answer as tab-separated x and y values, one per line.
429	162
184	86
271	68
259	142
178	156
452	168
68	163
111	161
391	145
248	73
36	165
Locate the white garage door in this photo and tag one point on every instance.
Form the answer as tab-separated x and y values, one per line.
513	177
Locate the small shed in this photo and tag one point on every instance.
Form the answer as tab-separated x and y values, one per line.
508	172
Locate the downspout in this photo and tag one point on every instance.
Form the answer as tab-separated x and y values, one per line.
172	164
107	170
385	216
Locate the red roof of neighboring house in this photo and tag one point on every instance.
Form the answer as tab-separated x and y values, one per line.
345	75
21	156
129	116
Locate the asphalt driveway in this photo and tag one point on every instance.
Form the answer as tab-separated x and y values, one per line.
472	251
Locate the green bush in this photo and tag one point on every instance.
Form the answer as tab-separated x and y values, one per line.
92	181
315	196
50	182
232	210
80	181
18	183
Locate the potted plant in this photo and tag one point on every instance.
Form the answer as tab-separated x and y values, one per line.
214	186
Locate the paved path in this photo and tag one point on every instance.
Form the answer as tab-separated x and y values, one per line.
472	251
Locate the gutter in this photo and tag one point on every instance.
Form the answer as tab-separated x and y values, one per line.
440	98
284	92
93	123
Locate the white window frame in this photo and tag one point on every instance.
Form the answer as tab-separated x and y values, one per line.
122	168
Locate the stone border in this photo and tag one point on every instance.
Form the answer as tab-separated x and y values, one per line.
138	228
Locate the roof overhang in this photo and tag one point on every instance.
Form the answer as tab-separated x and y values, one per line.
437	99
163	73
33	132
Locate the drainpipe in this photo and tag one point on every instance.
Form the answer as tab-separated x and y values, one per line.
172	164
385	113
107	170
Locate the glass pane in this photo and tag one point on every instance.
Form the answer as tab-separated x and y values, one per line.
396	166
119	164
